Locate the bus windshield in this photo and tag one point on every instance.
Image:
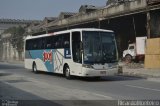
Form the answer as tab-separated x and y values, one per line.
99	47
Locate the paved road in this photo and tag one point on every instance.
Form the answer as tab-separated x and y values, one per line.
17	83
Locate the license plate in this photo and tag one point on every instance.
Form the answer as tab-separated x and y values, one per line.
102	72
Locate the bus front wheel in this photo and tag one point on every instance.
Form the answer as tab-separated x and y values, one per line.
67	72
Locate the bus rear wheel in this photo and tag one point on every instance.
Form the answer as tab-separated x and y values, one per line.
34	68
67	73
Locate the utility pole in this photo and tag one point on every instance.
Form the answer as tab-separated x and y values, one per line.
148	27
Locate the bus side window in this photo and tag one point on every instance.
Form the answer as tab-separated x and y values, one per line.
60	41
39	43
48	43
30	45
43	42
35	44
66	40
56	43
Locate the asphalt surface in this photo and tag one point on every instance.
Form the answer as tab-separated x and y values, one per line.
17	83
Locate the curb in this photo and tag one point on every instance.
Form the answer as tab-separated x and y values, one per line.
141	72
13	62
126	74
139	75
154	79
142	75
19	63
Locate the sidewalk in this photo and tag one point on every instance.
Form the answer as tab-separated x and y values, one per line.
16	62
138	70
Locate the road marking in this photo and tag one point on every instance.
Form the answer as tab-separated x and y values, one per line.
100	95
158	90
103	96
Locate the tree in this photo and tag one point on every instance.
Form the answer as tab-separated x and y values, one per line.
17	35
17	38
111	2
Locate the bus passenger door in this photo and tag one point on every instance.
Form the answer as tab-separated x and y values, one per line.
76	67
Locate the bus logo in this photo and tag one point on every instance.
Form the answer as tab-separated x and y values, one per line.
67	53
47	56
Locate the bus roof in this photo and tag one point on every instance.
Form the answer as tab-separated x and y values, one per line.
68	31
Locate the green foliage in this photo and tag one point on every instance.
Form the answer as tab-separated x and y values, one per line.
17	34
10	30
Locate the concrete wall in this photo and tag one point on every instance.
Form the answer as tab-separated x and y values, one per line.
9	53
108	12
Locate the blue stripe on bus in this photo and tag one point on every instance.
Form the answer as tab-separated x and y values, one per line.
39	54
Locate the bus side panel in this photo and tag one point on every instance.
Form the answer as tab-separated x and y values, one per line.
61	57
28	60
42	58
48	60
58	60
28	63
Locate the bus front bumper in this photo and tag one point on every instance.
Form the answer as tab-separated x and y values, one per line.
89	72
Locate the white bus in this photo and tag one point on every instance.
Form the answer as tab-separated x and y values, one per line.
85	52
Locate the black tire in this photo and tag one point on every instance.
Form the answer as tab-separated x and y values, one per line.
34	68
128	58
67	72
97	78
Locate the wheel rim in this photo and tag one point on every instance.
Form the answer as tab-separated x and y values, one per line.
128	59
34	68
67	72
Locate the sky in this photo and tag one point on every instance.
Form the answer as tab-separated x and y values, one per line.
38	9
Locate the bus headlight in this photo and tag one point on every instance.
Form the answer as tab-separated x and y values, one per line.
87	66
